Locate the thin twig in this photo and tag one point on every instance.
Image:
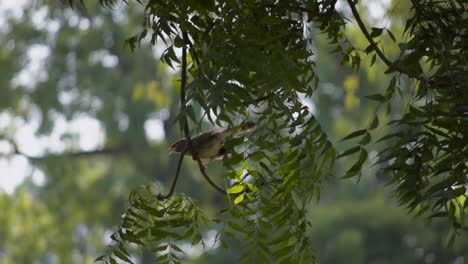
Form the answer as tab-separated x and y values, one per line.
208	179
174	182
183	84
188	142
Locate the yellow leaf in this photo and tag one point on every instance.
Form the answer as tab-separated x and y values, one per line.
235	189
239	199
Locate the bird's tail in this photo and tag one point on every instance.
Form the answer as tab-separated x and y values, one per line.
246	127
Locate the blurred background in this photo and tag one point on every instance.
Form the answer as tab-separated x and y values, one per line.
84	121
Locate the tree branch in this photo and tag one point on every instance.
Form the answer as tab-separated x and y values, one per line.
174	182
116	150
188	143
382	56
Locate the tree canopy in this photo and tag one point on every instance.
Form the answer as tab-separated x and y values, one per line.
240	61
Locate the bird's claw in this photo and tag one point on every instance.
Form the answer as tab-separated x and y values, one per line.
203	168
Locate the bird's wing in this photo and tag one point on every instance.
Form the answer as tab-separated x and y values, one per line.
206	136
208	143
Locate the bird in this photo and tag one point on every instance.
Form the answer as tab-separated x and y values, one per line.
209	145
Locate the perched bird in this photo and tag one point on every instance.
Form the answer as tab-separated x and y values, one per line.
209	145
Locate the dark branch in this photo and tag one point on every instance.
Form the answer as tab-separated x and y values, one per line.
105	151
174	182
183	84
188	143
208	179
110	151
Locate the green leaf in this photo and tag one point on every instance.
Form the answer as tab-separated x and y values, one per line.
391	87
376	32
354	134
391	35
375	123
376	97
100	258
369	49
391	69
122	256
417	111
356	168
191	113
162	258
160	248
196	239
142	35
112	260
374	58
130	237
178	42
176	248
236	226
389	136
350	173
283	250
349	152
366	139
265	167
363	156
235	158
438	214
257	156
